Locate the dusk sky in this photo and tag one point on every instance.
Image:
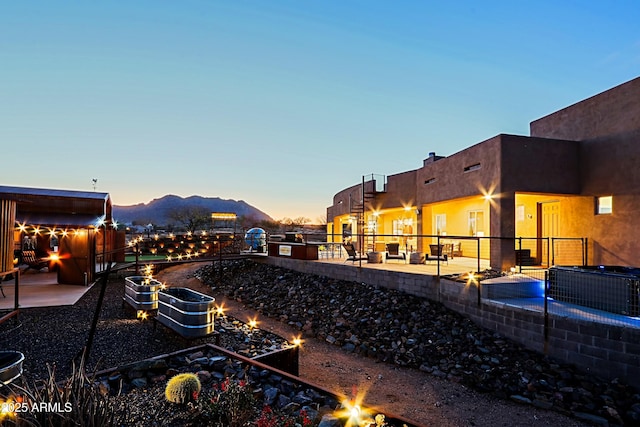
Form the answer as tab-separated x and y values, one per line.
284	103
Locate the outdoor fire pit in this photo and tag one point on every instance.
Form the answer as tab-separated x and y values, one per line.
188	312
10	366
141	292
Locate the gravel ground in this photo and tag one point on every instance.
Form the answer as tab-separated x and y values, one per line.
53	336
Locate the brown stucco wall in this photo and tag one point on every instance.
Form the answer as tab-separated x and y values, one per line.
450	181
539	165
401	191
608	126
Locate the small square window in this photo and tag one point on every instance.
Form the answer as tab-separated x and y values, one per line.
604	205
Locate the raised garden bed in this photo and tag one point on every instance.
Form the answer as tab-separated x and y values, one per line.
189	313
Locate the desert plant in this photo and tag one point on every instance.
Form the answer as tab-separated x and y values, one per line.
183	388
231	404
269	418
74	402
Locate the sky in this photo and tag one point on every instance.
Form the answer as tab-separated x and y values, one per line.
283	104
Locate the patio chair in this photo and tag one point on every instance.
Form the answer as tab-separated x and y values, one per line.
33	261
437	254
353	255
393	252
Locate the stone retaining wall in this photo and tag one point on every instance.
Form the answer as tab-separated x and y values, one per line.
609	351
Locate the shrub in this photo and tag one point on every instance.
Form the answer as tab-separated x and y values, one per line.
231	404
183	388
74	402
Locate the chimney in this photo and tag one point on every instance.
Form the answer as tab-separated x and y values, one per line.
432	158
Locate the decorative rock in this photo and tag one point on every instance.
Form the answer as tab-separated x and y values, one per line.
139	382
270	396
330	421
406	330
204	376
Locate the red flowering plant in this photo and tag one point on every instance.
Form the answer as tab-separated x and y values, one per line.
268	418
229	403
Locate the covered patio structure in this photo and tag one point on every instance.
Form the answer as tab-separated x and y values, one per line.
72	230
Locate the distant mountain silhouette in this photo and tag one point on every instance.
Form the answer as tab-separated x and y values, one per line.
157	211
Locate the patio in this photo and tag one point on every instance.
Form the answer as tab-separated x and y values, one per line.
455	265
40	289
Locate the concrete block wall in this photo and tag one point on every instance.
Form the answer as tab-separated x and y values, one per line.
608	351
421	285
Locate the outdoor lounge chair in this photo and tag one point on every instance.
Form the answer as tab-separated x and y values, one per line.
437	254
393	252
353	255
33	261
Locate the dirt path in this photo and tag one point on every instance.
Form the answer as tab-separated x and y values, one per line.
410	393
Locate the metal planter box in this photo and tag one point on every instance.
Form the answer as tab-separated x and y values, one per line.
10	366
188	312
141	292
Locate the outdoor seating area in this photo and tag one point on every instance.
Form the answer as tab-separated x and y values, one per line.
33	261
430	263
437	253
352	254
393	252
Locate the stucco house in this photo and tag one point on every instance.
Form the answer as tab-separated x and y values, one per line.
574	177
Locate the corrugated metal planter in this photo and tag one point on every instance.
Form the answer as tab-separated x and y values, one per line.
141	292
10	366
188	312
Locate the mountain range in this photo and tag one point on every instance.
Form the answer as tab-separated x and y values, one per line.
157	211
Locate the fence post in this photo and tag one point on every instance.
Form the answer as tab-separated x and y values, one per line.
520	252
440	252
137	258
546	311
478	254
585	251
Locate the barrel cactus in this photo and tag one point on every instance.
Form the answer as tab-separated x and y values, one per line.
182	388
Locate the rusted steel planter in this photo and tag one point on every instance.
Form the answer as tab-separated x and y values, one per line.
188	312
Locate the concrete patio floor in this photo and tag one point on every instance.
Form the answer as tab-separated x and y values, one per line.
40	289
458	265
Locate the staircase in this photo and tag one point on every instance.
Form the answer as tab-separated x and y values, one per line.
524	258
372	185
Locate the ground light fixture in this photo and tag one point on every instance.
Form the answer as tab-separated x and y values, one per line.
297	341
220	310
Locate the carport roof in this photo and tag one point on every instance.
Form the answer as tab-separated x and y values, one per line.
60	220
16	192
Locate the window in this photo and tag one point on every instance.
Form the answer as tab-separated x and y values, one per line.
476	223
474	167
429	181
441	225
402	227
604	205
